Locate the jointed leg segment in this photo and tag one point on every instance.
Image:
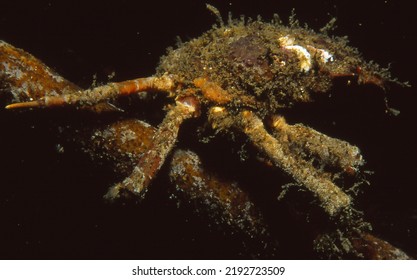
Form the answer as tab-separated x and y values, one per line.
96	95
331	197
330	151
163	141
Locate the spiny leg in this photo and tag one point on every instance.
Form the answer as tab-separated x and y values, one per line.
162	143
330	151
331	197
96	95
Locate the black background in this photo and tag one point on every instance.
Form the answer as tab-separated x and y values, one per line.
51	203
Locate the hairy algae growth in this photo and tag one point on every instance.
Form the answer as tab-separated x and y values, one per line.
268	66
235	78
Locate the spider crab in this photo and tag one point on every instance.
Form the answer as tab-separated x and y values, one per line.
236	76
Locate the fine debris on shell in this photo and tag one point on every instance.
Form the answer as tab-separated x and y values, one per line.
235	75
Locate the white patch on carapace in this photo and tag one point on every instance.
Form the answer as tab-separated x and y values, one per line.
323	55
303	55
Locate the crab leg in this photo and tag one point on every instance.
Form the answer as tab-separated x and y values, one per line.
101	93
331	197
331	151
162	143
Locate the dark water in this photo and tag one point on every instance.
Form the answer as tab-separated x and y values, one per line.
51	203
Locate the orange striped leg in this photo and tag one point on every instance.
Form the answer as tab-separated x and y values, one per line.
162	143
101	93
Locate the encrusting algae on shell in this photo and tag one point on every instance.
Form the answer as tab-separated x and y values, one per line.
235	77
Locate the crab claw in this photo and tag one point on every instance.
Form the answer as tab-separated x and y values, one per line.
371	73
378	78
